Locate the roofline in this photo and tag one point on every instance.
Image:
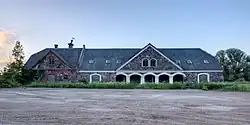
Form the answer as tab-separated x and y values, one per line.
147	46
159	71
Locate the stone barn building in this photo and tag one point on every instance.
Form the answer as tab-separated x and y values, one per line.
131	65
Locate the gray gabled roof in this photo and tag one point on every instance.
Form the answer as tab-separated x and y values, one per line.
196	55
99	56
118	56
69	56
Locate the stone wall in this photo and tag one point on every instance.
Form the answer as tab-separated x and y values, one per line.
55	70
150	53
51	61
106	77
190	76
214	77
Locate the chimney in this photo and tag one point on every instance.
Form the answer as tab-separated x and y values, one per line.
56	45
83	46
71	44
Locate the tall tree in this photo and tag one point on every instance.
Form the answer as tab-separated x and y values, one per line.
13	71
233	62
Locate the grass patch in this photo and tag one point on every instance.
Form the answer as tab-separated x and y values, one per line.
109	85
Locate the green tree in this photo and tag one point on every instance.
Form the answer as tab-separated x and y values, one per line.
233	62
14	73
247	70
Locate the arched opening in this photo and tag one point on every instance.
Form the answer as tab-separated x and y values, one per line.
164	78
153	62
145	62
120	78
203	78
178	78
51	78
135	78
95	78
149	78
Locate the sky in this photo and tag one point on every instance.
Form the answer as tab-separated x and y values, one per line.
208	24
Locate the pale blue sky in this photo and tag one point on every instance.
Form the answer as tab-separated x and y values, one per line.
208	24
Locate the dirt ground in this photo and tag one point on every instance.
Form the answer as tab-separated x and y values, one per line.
122	107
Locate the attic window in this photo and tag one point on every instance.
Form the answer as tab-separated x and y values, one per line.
189	61
206	61
91	61
178	61
118	61
51	60
107	61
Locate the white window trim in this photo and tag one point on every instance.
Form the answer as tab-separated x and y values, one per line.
155	62
149	73
146	47
143	60
90	77
135	73
164	73
121	73
198	77
179	73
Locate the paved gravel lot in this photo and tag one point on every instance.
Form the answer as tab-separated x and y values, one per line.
122	107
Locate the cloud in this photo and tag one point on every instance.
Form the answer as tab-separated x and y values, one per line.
7	41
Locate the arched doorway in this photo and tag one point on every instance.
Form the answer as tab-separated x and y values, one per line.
135	78
95	78
149	78
178	78
164	78
120	78
203	78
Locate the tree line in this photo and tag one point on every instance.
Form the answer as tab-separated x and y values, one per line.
234	62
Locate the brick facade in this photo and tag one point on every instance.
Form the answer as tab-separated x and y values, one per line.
55	70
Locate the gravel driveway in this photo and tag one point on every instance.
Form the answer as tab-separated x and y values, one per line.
122	107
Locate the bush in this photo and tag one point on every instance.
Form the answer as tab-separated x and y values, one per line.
237	88
202	86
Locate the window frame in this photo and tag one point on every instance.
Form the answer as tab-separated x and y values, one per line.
151	62
51	60
147	60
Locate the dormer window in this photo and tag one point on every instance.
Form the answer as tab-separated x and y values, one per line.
178	62
107	61
206	61
189	61
118	61
91	61
144	62
51	60
153	62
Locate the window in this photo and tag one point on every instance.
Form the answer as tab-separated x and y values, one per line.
178	62
153	62
118	61
65	76
107	61
206	61
189	61
145	62
51	60
91	61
